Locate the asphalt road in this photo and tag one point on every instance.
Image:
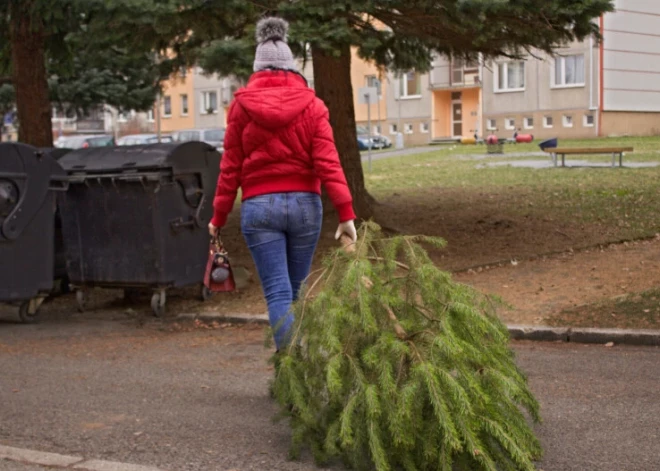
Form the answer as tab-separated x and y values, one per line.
185	398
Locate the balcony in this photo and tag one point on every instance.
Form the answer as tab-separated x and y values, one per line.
447	75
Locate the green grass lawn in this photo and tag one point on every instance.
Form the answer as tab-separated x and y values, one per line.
625	198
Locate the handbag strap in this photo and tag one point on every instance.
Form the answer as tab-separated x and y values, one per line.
216	241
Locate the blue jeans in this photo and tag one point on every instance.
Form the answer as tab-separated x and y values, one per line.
282	231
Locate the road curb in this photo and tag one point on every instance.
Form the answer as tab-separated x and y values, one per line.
57	461
586	335
518	332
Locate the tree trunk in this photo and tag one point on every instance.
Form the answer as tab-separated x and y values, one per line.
29	76
332	81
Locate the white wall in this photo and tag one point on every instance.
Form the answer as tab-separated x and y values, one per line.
631	64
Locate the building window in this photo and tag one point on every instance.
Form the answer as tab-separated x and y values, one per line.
167	106
588	121
510	124
568	121
377	129
210	102
491	124
150	116
547	122
408	128
410	85
424	128
372	81
393	129
529	123
184	105
122	117
569	71
510	77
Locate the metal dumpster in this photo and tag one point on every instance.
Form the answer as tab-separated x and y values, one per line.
59	268
137	216
29	179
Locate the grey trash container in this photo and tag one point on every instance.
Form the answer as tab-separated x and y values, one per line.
137	217
29	179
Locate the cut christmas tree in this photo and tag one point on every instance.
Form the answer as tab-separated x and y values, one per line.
392	365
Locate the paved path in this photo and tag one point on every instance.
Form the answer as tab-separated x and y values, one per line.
400	153
179	398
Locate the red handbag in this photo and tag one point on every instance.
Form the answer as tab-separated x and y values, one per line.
219	277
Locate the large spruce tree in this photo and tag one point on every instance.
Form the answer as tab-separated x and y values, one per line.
59	54
397	35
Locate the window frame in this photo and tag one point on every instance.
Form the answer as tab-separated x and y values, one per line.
562	61
207	102
496	77
494	124
545	122
403	86
167	100
184	100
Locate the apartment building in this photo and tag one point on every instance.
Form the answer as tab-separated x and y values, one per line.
546	97
366	74
630	68
442	104
177	105
455	86
585	89
409	107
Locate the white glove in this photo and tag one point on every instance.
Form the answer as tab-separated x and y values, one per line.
348	228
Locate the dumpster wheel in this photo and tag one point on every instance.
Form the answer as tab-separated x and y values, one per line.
206	293
81	299
158	301
26	316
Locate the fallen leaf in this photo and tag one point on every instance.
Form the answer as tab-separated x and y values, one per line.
609	344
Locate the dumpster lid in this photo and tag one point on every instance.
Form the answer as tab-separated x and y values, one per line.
180	157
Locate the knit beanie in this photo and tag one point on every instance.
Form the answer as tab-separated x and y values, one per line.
272	50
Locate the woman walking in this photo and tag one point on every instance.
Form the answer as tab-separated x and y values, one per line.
279	149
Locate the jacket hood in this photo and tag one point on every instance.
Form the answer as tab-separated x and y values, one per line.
273	99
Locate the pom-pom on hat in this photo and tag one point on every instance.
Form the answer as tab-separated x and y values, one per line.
272	51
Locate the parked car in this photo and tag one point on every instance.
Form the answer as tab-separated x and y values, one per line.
364	143
377	141
212	136
85	141
139	139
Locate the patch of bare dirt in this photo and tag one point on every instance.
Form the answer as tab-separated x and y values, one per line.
539	288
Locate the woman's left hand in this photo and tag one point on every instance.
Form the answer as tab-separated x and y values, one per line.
213	231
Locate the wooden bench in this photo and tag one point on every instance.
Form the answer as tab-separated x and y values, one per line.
564	151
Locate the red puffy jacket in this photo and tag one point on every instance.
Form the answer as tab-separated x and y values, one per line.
279	140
